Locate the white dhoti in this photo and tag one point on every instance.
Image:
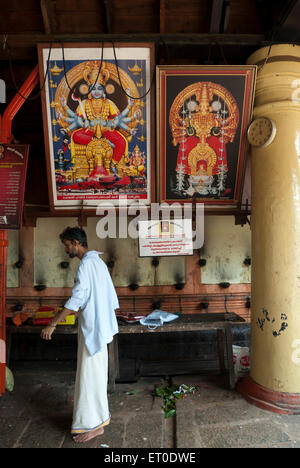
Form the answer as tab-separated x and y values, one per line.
91	409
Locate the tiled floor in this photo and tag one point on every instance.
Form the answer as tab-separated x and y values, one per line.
37	414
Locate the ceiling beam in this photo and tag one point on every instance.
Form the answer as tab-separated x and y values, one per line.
24	46
107	16
287	26
216	16
48	16
162	16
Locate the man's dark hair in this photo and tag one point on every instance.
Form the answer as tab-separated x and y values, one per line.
72	234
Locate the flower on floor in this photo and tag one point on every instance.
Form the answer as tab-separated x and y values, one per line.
171	395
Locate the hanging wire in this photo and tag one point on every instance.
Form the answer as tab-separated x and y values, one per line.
6	45
162	42
267	57
209	53
222	53
65	74
275	30
210	46
118	73
119	78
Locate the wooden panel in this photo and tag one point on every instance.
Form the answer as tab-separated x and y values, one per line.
16	16
16	5
195	7
81	22
134	8
185	24
79	5
187	17
135	24
132	16
162	16
32	23
76	17
179	17
243	17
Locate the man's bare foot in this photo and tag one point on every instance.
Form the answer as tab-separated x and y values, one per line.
88	435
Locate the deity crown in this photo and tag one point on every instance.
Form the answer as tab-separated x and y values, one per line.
91	72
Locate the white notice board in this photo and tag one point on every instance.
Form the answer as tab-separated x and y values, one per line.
162	238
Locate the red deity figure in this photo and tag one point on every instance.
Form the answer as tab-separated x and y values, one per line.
203	118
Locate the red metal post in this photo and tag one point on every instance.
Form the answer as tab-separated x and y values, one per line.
16	103
3	258
6	137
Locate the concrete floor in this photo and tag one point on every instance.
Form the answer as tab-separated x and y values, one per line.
37	414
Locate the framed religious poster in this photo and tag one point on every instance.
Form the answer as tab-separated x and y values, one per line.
98	122
203	115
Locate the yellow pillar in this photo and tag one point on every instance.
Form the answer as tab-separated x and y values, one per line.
274	381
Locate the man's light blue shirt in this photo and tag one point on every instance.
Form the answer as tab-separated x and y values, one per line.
94	294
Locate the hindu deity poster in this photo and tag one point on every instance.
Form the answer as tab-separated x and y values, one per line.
203	115
97	122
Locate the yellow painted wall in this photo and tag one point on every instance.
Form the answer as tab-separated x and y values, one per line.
225	248
128	267
49	253
12	276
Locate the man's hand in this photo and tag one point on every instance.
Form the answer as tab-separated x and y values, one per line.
59	317
46	333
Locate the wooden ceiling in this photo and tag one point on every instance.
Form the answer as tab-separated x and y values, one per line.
195	31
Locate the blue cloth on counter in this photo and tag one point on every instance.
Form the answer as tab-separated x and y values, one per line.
157	318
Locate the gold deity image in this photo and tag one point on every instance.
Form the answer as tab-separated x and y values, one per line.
97	132
203	119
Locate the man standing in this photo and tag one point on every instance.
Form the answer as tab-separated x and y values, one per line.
94	296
